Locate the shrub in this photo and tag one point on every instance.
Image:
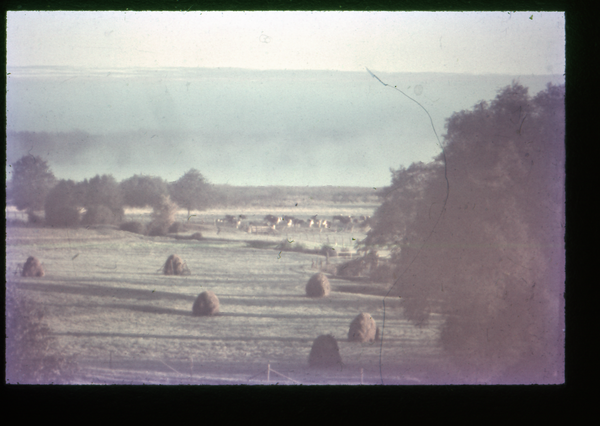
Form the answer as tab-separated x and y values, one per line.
98	215
32	355
196	236
62	204
163	216
64	217
317	286
325	352
135	227
206	304
176	227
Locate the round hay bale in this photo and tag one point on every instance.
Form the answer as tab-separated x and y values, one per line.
325	352
318	286
196	236
207	303
363	329
175	266
32	268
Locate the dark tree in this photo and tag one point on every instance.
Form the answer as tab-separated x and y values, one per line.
31	182
191	191
143	191
102	199
63	204
491	259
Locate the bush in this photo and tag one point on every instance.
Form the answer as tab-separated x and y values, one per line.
32	355
163	216
135	227
64	217
63	204
176	227
98	215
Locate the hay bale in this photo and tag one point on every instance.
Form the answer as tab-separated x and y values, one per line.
32	268
196	236
318	286
325	352
207	303
175	266
363	329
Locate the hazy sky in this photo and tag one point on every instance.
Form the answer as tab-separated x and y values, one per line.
461	42
147	92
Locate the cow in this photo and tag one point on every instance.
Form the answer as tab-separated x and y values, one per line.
272	220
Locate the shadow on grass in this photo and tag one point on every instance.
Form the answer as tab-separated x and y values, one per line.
101	291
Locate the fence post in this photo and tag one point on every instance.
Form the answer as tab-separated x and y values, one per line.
268	372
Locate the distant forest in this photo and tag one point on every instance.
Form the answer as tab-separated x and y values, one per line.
257	196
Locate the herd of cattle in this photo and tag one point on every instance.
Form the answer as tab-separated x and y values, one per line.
275	223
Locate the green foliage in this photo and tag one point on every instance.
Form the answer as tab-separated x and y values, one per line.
32	355
143	191
190	191
31	182
63	204
492	259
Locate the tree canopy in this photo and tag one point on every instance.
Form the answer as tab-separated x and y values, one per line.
63	204
490	257
31	181
143	191
191	191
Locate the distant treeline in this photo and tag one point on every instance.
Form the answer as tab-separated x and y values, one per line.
247	196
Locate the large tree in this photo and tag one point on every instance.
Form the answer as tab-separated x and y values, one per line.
478	236
191	191
63	204
31	182
102	199
143	191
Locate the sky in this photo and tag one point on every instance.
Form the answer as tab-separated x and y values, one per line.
259	98
458	42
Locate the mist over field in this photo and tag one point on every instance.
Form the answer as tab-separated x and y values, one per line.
239	127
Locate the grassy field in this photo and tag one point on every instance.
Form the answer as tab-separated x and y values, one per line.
106	301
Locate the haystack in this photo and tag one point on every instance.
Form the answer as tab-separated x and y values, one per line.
318	286
363	329
207	303
32	268
325	352
175	266
196	236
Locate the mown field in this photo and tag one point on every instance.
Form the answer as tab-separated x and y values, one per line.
107	302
